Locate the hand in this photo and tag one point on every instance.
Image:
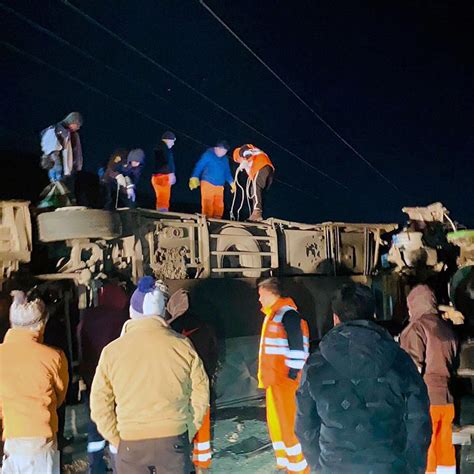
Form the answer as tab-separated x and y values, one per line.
193	183
121	180
172	179
233	188
131	193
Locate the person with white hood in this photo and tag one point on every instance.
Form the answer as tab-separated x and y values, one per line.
150	391
33	384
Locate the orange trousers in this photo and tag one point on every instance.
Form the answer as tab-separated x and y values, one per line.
202	454
281	414
161	185
441	454
212	200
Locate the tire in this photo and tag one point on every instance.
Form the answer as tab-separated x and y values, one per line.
228	240
78	223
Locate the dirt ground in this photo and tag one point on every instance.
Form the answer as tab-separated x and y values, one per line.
240	441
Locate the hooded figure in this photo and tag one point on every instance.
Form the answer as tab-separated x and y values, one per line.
432	345
33	384
204	339
98	327
150	391
362	406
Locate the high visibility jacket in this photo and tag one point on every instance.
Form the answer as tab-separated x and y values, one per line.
257	161
282	355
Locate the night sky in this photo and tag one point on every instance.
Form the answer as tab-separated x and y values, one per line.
395	79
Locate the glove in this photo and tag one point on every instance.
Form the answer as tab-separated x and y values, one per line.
121	180
233	188
172	179
131	193
193	183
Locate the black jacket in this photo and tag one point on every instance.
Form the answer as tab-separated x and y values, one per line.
164	160
362	406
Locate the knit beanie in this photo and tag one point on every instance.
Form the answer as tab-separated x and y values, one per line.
149	299
223	144
137	154
24	313
168	136
73	117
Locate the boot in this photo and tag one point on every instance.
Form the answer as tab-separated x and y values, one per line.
256	216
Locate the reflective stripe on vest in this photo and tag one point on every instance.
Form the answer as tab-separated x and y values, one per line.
274	343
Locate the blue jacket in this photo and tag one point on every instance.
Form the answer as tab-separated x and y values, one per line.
213	169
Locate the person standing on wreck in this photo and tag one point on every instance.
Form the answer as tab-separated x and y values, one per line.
62	154
284	348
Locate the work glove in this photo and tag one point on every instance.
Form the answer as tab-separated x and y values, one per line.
121	180
193	183
233	188
131	193
172	179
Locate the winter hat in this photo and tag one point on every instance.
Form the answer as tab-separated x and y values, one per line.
244	151
73	117
223	144
24	313
137	154
168	136
149	299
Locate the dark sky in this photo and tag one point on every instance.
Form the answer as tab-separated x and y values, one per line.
394	79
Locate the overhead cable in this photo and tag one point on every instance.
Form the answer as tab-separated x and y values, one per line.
40	61
298	97
196	91
89	56
37	60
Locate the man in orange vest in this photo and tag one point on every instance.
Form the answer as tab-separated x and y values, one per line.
284	347
260	170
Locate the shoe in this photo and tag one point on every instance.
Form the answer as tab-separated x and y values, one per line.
256	216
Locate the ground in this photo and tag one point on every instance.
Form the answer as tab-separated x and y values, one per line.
240	443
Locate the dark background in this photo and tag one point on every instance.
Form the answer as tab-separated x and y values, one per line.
394	78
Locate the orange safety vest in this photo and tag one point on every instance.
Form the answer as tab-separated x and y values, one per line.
275	358
258	161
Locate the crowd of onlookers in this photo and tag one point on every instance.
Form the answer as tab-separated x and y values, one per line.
360	403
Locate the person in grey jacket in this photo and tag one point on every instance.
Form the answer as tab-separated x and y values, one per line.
362	406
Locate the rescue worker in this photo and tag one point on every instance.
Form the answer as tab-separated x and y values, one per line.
62	156
211	172
98	327
150	391
284	347
164	174
113	181
432	345
362	406
204	339
33	384
132	171
260	171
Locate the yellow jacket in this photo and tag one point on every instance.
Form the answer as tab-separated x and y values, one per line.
150	383
33	383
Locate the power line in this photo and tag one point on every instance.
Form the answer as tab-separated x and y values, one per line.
196	91
300	99
89	56
37	60
40	61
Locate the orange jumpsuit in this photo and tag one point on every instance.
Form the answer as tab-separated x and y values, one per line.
202	453
161	185
278	357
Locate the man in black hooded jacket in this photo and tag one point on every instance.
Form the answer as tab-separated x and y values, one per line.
362	407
